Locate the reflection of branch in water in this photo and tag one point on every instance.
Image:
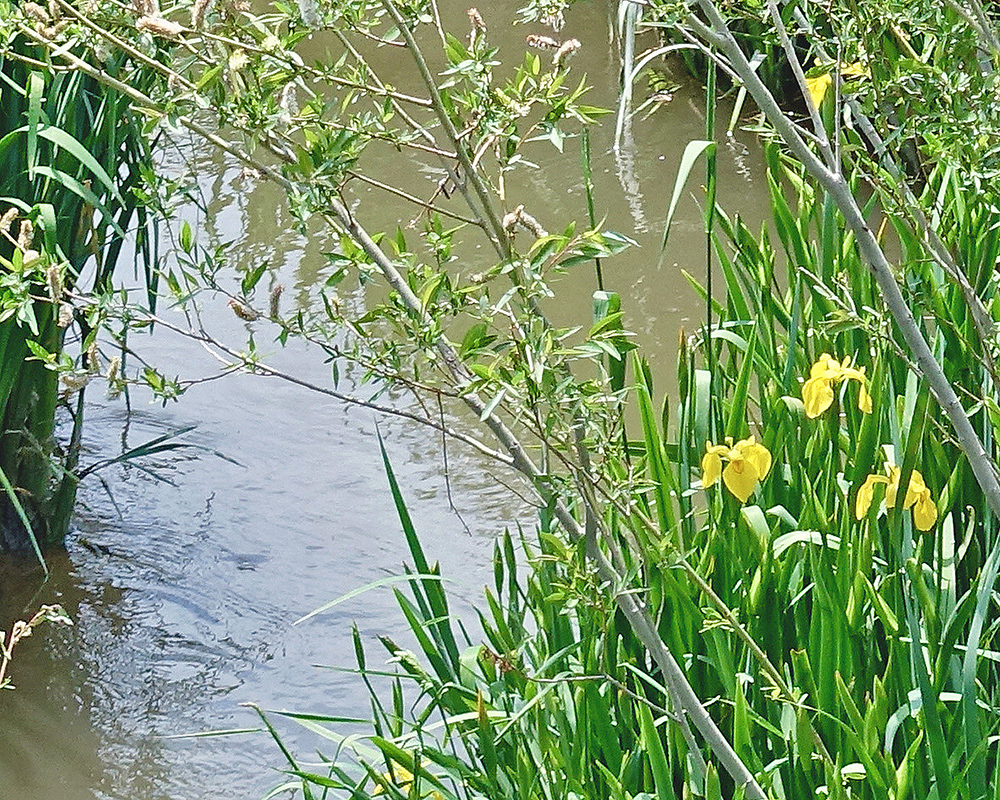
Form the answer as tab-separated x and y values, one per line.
627	177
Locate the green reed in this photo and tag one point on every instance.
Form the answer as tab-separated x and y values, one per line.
71	156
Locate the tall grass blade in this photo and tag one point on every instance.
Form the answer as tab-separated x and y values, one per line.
19	510
690	156
363	590
430	589
628	19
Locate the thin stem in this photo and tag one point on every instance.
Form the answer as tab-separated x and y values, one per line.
414	199
497	234
800	78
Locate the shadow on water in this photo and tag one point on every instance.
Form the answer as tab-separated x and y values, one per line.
183	592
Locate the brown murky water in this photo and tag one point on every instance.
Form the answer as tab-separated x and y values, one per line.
183	592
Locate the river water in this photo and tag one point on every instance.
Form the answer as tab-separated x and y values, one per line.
183	579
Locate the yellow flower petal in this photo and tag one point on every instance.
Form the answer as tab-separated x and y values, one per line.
711	467
824	376
915	490
756	454
740	477
818	87
865	494
925	512
817	396
855	70
892	486
864	399
826	366
918	497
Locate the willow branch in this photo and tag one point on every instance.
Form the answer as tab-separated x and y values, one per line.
682	695
497	234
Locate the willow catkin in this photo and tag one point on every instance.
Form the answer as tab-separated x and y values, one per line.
158	26
25	236
274	301
244	312
541	42
478	26
198	12
53	276
566	49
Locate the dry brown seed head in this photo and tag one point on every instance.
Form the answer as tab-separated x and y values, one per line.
26	235
511	218
246	313
37	13
541	42
54	278
8	219
477	20
114	365
532	225
567	49
74	382
198	11
158	26
275	301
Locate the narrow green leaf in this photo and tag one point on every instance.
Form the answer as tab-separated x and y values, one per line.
688	159
21	515
36	89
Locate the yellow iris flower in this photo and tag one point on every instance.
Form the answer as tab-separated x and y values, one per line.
918	497
748	464
817	392
818	82
402	781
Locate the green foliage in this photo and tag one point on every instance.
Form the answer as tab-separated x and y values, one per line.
850	652
557	702
833	645
71	151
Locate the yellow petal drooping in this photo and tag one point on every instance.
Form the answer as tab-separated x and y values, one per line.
925	513
864	399
866	493
917	496
818	87
817	396
711	467
740	477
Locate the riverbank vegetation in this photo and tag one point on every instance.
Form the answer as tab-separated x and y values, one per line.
776	582
71	162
